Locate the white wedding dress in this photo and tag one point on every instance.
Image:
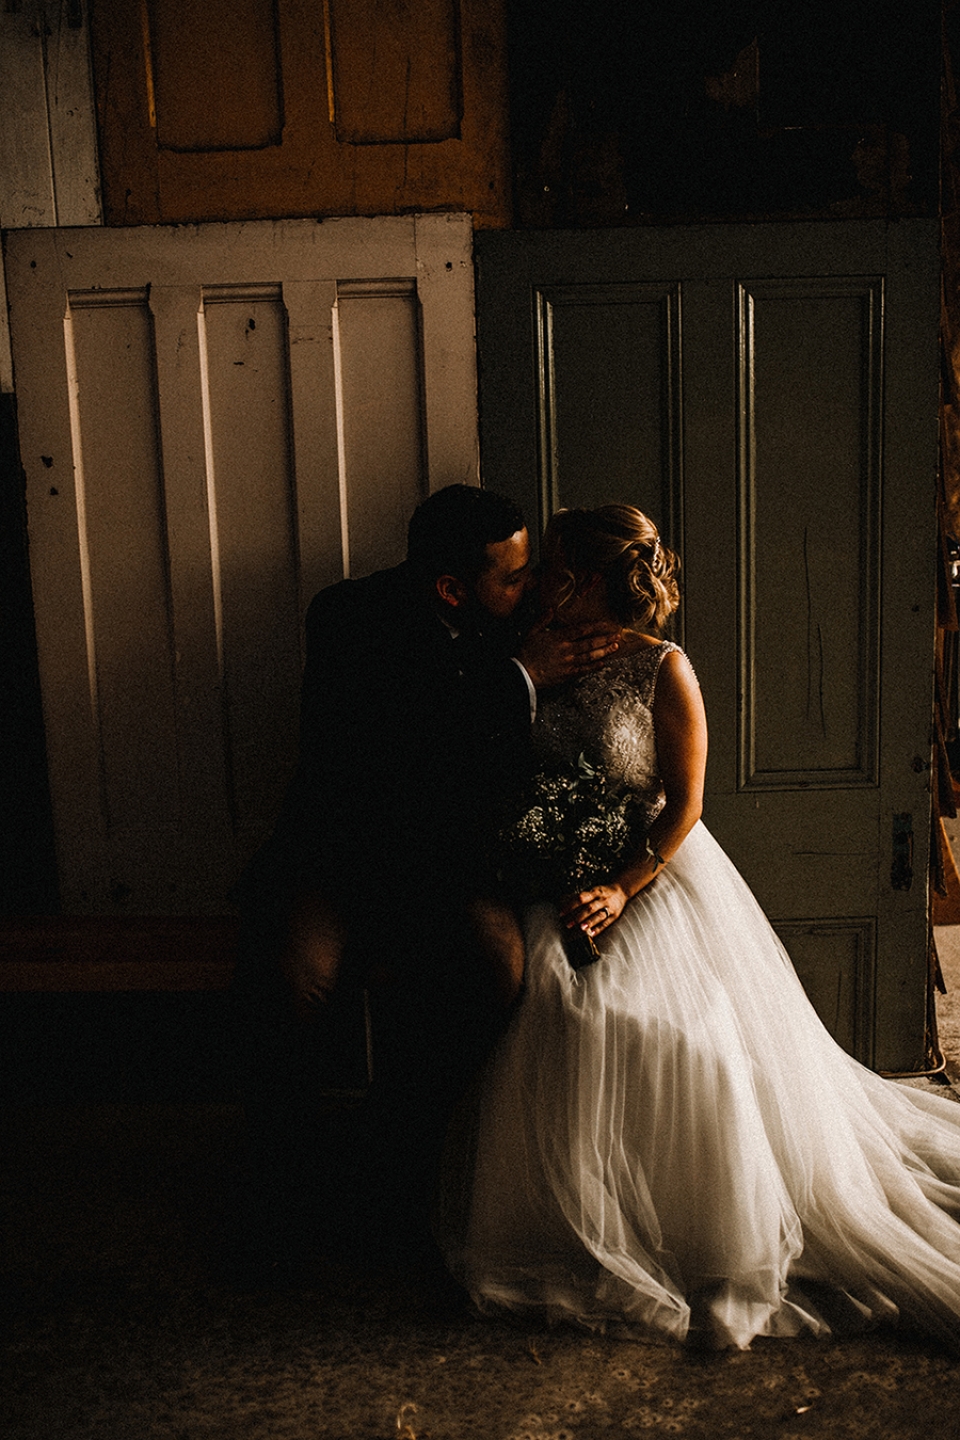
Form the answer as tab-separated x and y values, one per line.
669	1138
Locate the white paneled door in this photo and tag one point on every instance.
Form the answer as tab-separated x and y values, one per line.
215	421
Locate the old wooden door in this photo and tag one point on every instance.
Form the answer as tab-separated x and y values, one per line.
769	394
226	110
215	421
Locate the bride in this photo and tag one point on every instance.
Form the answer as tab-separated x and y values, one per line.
667	1136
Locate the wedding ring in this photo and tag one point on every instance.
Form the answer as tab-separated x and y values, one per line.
604	912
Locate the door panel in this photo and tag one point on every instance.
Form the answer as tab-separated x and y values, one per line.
395	71
609	365
215	422
810	365
260	108
215	78
779	421
244	393
380	416
120	534
836	961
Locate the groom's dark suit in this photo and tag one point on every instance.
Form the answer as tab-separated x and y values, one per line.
405	731
408	733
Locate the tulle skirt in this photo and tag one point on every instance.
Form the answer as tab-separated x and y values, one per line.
670	1140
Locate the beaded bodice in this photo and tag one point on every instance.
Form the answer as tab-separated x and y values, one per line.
607	716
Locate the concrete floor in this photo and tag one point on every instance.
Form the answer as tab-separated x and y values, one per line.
118	1327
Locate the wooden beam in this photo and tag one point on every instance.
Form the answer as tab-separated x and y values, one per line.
98	954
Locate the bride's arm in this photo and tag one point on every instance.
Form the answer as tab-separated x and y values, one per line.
680	727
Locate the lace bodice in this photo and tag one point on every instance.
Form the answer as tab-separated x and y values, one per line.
607	716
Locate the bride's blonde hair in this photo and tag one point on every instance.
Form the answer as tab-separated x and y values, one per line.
621	544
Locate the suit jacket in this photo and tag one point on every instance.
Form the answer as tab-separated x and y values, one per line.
408	736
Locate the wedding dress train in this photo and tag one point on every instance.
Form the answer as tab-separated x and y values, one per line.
669	1138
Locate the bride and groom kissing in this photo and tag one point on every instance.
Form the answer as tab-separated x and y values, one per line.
665	1137
419	691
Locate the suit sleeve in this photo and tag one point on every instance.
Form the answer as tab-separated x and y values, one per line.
408	741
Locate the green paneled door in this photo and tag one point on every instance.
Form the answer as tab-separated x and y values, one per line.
769	394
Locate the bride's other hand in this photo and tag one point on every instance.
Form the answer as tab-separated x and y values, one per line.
551	656
593	910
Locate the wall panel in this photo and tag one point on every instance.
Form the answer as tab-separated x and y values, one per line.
49	171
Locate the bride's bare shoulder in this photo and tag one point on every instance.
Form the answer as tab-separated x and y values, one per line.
632	641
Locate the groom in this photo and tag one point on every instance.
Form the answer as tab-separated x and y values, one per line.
419	687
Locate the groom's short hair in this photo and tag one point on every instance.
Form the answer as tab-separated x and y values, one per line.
449	531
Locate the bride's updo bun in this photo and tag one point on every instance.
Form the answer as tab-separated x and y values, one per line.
622	545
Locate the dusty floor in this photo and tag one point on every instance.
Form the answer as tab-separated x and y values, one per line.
120	1326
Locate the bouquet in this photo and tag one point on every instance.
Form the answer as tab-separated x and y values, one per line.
571	833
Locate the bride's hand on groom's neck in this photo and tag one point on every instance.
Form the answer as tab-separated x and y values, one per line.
551	656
